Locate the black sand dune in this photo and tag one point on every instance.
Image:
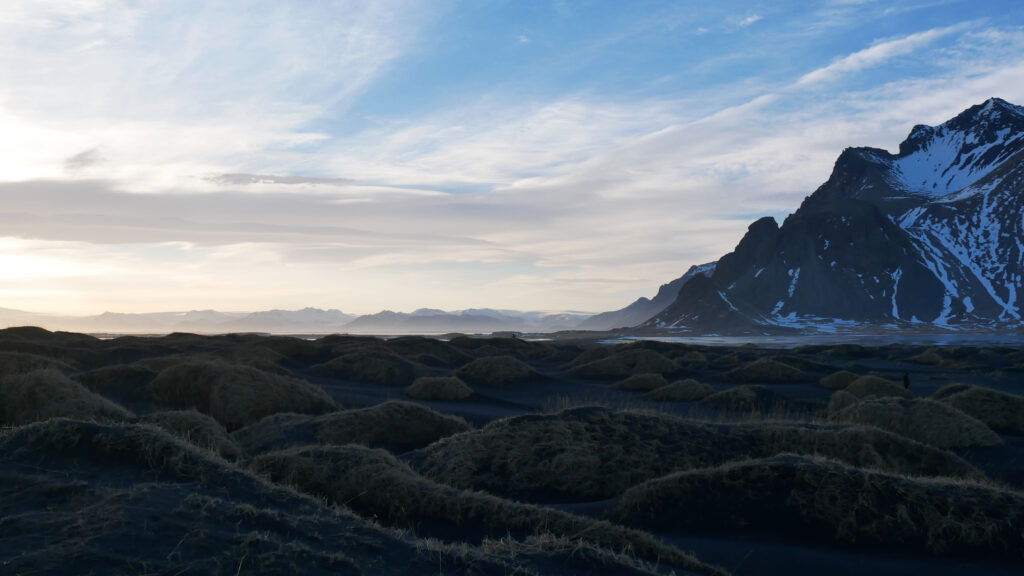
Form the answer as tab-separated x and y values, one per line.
248	454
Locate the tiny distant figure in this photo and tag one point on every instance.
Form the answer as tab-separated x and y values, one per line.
906	380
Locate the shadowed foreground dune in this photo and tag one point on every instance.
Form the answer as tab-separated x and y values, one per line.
245	454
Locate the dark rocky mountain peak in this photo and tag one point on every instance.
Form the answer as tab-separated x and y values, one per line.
932	235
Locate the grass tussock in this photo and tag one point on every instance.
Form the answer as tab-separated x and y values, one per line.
588	454
867	386
688	390
765	371
46	394
999	411
394	425
371	365
924	420
839	401
438	388
234	395
496	371
625	363
642	382
375	484
801	497
838	380
197	429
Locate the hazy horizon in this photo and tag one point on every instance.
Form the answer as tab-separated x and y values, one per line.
377	156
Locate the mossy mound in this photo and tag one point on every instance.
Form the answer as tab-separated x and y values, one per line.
749	398
866	386
235	395
197	429
924	420
126	383
688	390
626	363
999	411
372	366
588	454
801	497
840	400
838	380
80	497
375	484
496	371
12	363
438	388
642	382
394	425
766	371
46	394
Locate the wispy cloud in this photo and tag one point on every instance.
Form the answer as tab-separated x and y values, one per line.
875	55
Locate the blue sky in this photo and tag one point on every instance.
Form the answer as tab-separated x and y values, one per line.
544	155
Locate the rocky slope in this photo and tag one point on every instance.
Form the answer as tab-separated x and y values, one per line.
931	235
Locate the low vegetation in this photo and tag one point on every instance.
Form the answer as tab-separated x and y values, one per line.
688	390
642	382
496	371
766	371
394	425
45	394
235	395
438	388
197	429
587	454
800	497
374	483
924	420
1000	411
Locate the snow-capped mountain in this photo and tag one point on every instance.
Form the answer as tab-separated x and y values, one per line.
933	234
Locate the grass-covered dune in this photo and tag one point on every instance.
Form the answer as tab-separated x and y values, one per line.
807	498
86	498
395	425
376	484
586	454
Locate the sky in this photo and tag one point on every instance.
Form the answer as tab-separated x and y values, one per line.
368	155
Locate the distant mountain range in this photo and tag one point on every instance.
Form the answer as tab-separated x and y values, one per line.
930	236
305	321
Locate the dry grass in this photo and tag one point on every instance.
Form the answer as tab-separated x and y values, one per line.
801	497
642	382
1000	411
866	386
197	429
688	390
46	394
838	380
496	371
395	425
924	420
374	483
588	454
626	363
236	396
765	371
438	388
